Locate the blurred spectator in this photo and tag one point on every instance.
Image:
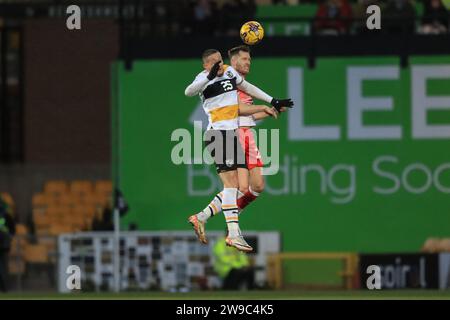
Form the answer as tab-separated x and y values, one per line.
360	15
103	220
435	18
233	14
104	217
334	17
206	17
187	17
249	8
230	17
7	231
398	16
204	12
233	267
157	15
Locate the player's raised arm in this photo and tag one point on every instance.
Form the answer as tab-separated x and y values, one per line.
201	80
257	93
196	86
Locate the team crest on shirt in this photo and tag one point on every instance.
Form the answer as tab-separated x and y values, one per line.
229	162
229	74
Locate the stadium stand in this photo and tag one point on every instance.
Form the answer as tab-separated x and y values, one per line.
61	207
69	206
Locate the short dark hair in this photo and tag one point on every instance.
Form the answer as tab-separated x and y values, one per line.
234	51
208	52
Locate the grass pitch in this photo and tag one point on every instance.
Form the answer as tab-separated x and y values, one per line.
241	295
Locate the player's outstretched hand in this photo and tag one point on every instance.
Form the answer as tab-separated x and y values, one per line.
271	111
214	70
279	103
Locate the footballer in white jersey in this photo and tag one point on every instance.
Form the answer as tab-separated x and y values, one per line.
250	177
219	98
217	86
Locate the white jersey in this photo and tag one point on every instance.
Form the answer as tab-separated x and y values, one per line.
220	99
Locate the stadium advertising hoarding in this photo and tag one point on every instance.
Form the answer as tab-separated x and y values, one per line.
444	271
407	271
402	271
363	156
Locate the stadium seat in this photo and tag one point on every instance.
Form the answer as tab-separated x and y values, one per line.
55	187
41	221
58	211
57	229
21	230
44	200
66	207
39	212
16	262
78	223
36	253
36	259
40	200
49	243
16	265
66	200
102	200
88	199
81	187
103	187
43	230
84	211
18	244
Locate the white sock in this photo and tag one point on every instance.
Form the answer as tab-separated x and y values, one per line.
214	207
230	210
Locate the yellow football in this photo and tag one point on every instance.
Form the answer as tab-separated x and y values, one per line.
252	32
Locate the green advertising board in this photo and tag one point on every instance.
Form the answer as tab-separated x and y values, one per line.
364	156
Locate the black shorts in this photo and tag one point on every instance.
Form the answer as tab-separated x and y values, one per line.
226	150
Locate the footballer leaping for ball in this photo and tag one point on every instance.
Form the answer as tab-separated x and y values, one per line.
217	86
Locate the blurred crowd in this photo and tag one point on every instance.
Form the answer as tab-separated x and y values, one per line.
197	17
339	16
220	17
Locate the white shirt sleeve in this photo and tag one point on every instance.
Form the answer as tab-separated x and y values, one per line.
197	85
239	78
254	91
